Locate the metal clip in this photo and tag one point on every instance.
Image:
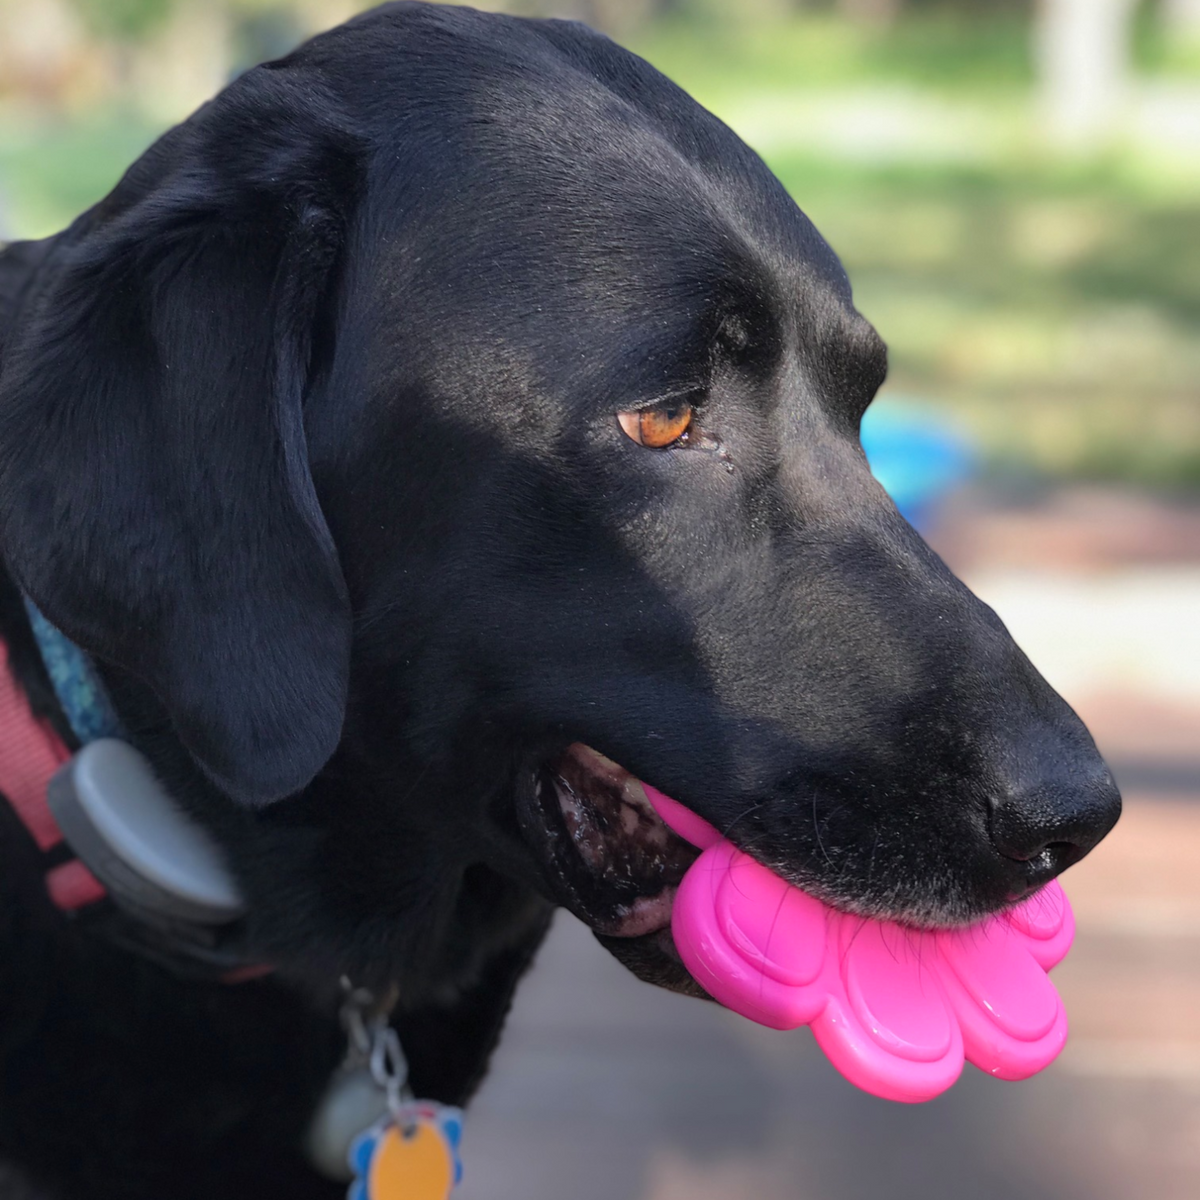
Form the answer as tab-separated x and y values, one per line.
389	1068
373	1043
369	1085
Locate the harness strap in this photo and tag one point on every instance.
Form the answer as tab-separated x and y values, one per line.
30	753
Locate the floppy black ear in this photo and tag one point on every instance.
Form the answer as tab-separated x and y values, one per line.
155	495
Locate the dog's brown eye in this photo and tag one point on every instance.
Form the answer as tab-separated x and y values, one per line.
657	427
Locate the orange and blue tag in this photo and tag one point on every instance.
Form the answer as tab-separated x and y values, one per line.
411	1154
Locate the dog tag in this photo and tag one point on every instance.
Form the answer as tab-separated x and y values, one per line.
412	1154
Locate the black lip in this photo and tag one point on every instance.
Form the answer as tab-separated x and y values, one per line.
654	959
601	893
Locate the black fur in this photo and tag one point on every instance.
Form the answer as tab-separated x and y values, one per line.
308	435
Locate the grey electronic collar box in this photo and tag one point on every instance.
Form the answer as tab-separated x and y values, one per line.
137	841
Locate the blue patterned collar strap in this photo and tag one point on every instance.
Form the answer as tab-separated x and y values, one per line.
84	701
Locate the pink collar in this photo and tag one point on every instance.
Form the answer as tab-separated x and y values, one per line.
30	753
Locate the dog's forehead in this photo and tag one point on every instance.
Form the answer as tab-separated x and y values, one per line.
553	217
515	147
570	271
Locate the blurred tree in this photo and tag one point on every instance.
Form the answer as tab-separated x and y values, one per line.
51	58
180	60
262	36
1183	16
875	12
611	16
41	48
124	18
1083	51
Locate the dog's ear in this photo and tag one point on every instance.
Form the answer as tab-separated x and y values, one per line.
155	495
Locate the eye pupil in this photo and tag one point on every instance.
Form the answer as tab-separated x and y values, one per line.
657	427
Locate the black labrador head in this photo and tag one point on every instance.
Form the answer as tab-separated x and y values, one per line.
455	410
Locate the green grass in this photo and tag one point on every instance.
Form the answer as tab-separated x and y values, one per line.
51	170
1058	315
723	55
1057	312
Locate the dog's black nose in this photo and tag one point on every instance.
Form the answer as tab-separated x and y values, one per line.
1051	825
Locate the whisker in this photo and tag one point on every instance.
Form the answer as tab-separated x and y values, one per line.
817	830
741	816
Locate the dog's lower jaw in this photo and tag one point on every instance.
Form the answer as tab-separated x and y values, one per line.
652	957
606	855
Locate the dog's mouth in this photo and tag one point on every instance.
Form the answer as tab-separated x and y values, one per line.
611	860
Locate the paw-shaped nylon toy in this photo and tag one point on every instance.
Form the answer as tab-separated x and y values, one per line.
895	1009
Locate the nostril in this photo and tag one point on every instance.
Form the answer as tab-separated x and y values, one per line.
1061	848
1055	822
1061	855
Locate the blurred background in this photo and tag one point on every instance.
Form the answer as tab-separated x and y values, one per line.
1014	188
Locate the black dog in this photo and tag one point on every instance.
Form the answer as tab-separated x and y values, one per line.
438	402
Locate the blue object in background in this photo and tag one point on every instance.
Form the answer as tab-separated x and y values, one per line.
915	455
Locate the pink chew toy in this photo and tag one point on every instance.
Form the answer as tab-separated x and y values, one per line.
895	1009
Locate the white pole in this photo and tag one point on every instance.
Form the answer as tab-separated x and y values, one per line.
1082	51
